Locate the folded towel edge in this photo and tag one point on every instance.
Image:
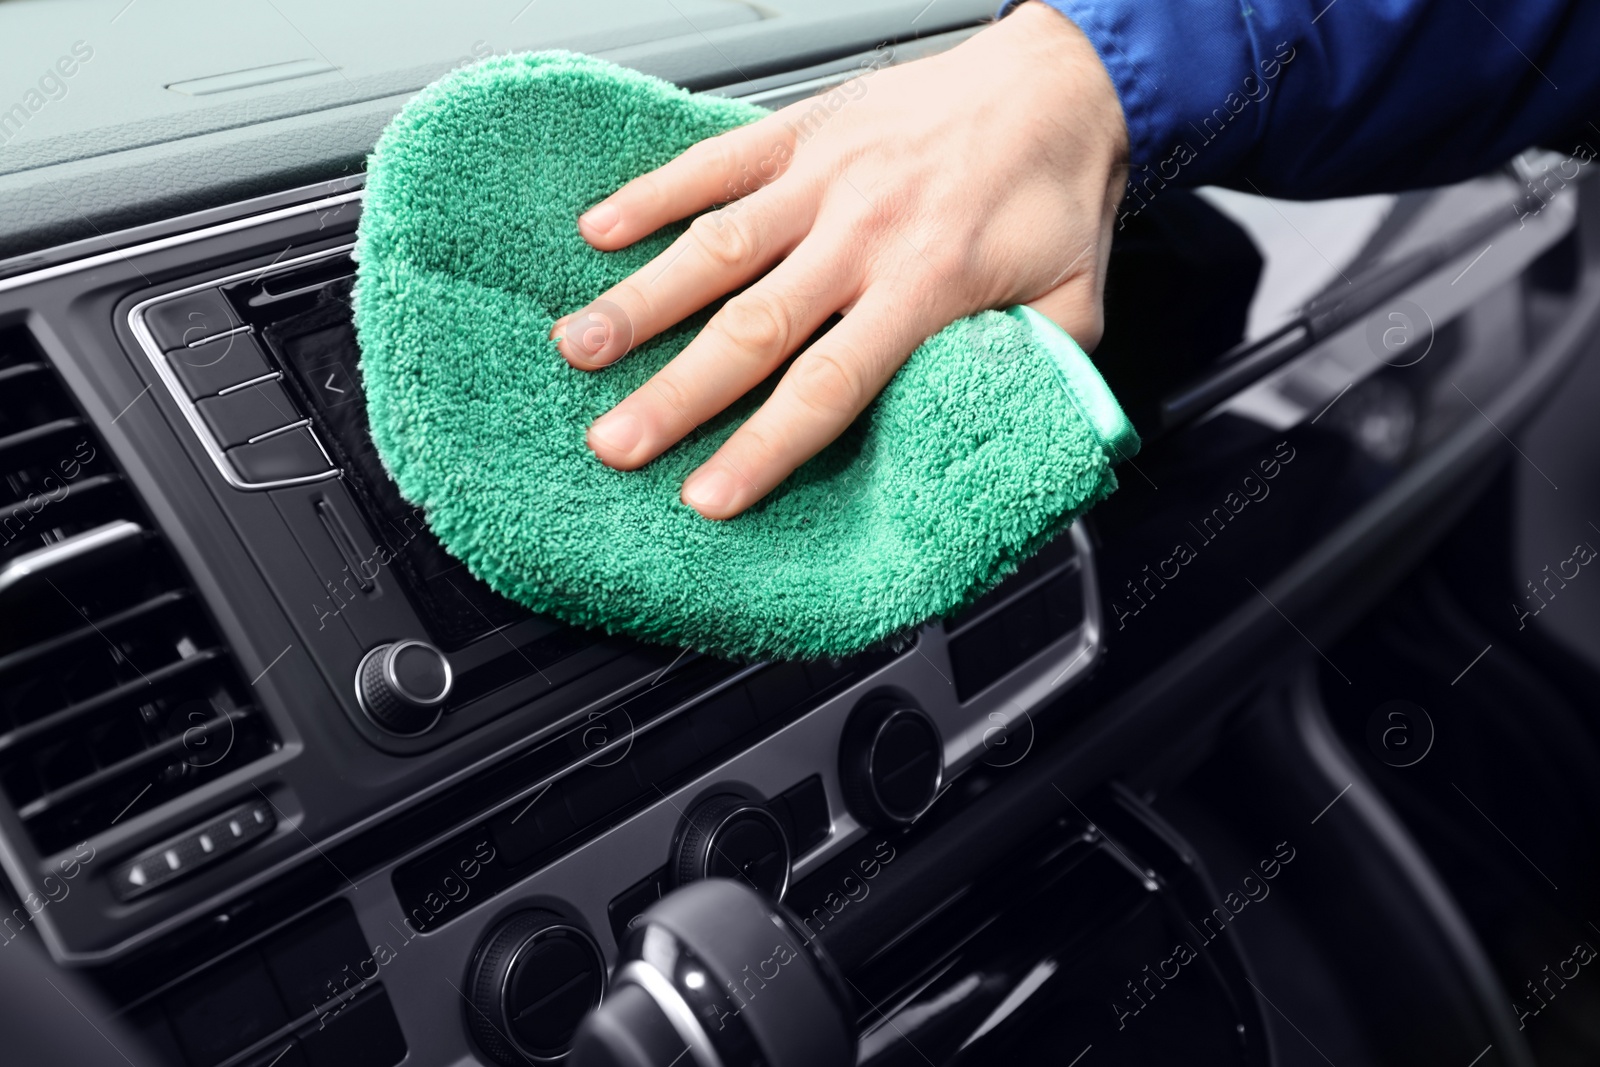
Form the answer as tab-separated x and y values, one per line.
1083	384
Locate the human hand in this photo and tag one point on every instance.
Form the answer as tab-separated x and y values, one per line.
979	178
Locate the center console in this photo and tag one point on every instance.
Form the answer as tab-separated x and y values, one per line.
268	740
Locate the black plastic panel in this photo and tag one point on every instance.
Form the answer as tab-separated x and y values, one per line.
1040	603
304	316
641	764
309	988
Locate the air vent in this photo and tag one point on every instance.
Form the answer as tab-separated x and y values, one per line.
115	693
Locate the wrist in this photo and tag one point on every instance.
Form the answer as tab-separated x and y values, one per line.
1075	90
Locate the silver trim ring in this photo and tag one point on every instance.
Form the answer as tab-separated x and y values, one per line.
674	1007
393	650
722	824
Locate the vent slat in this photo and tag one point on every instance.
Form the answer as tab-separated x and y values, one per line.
75	551
22	508
41	432
156	754
94	629
67	716
22	370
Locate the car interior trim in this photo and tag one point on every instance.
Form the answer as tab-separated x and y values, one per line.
180	396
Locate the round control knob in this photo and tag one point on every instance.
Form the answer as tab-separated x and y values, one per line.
533	981
401	685
891	763
727	836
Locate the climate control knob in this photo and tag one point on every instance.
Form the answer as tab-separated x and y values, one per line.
401	686
891	762
534	979
727	836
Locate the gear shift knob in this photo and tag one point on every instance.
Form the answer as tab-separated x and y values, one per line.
717	975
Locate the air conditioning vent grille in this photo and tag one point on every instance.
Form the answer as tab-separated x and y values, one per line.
116	693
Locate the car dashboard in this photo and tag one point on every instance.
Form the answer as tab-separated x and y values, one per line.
212	806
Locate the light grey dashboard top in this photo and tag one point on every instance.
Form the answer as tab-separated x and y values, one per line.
118	112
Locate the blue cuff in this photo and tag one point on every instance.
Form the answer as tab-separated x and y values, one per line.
1312	98
1194	91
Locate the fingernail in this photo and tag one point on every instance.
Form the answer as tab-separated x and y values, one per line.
599	219
709	491
618	432
591	334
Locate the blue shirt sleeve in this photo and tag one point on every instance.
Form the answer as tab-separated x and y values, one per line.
1316	98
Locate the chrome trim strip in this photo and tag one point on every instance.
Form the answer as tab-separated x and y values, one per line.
17	281
271	377
800	90
42	559
279	432
180	395
218	337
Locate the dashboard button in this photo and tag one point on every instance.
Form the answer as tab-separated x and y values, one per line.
727	836
295	454
533	981
238	416
181	322
177	857
891	762
217	365
803	810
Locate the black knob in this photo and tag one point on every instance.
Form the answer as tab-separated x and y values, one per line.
714	974
727	836
891	762
401	685
533	981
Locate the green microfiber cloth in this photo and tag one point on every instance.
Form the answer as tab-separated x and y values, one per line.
991	439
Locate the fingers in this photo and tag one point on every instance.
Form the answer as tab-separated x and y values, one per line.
726	167
820	395
744	342
721	251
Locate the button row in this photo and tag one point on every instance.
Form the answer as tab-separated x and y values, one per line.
178	856
236	388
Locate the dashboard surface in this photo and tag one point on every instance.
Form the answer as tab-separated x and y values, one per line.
210	820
